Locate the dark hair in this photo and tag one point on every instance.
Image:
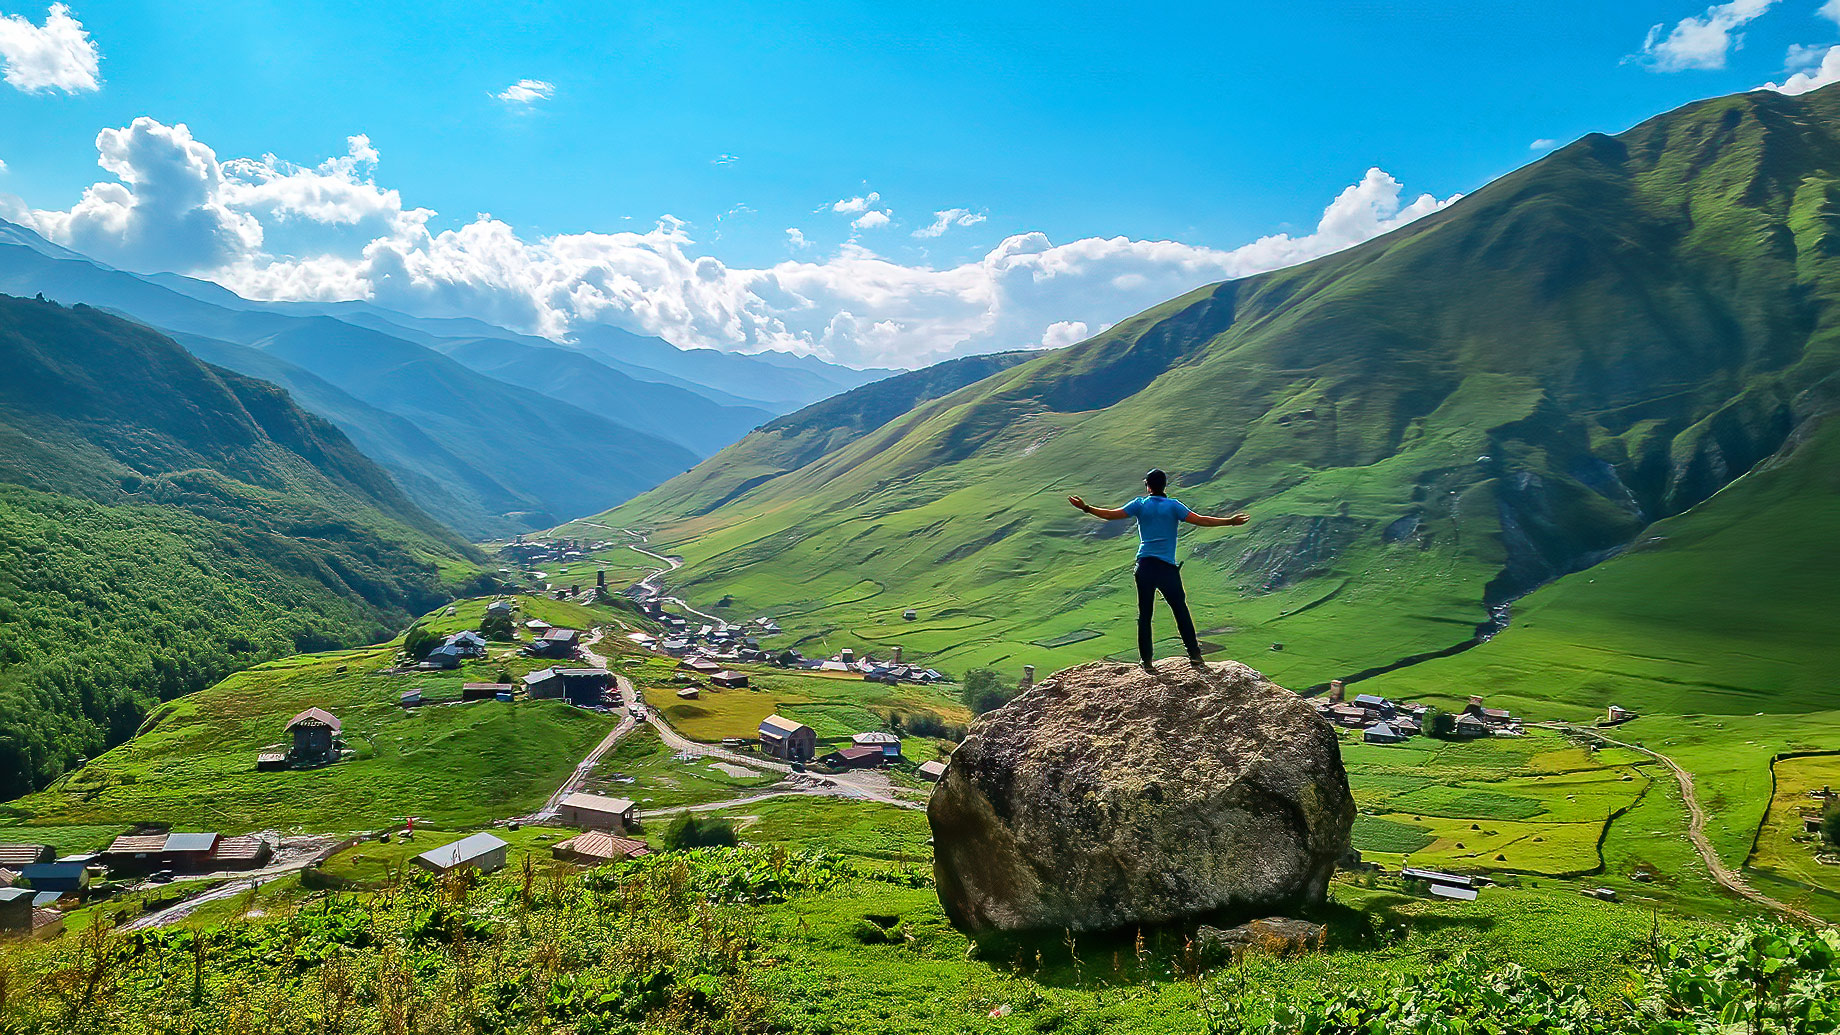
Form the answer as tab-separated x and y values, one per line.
1157	480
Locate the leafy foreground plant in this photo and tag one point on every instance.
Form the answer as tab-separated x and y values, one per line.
1761	979
658	943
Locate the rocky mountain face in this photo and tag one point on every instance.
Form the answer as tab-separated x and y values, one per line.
1107	797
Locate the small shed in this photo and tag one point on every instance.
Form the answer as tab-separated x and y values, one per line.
13	856
932	771
482	852
887	743
689	693
483	691
241	853
729	678
316	733
56	876
16	909
596	812
595	847
1382	733
780	737
410	698
856	758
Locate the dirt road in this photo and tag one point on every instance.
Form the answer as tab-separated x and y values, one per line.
1727	877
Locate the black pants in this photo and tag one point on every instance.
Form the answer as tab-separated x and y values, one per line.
1153	577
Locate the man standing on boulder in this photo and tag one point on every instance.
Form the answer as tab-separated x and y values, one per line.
1157	571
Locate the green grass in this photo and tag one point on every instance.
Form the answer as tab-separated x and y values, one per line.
193	763
660	780
835	706
374	863
1784	856
864	830
1534	805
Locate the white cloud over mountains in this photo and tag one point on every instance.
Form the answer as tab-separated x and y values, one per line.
58	55
1704	40
271	229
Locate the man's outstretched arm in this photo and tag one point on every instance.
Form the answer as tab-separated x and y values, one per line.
1216	522
1099	512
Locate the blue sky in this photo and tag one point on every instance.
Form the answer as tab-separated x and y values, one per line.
1209	125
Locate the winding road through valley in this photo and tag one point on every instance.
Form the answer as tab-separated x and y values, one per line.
1728	878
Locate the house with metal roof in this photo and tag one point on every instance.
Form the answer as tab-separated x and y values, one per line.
856	758
1382	733
13	856
730	679
887	743
316	736
56	876
482	852
16	909
780	737
596	812
932	771
596	847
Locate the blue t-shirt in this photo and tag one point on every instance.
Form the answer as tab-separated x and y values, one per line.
1157	520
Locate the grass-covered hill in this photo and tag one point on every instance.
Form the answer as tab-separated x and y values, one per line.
164	522
1433	422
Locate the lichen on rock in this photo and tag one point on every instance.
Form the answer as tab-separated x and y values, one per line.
1107	797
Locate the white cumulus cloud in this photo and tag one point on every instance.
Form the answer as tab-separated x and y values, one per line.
871	219
58	55
946	219
1818	69
527	92
1703	40
858	204
327	231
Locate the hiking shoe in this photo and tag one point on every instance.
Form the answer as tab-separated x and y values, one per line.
1197	659
1147	667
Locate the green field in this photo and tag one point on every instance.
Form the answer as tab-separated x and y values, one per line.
374	863
642	769
192	765
834	705
1787	858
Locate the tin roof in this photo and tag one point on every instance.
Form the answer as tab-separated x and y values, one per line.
319	716
780	725
190	842
17	855
602	845
15	894
462	851
876	737
596	802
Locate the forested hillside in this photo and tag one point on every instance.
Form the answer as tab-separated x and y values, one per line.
1423	427
164	522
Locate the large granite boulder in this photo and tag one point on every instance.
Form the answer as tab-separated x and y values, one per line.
1108	797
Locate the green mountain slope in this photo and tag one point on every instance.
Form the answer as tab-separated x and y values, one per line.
1423	427
164	522
533	460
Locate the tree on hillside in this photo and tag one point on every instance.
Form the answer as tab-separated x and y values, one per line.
1438	723
1830	824
985	691
418	641
498	627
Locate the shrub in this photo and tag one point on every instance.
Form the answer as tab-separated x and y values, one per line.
985	691
690	830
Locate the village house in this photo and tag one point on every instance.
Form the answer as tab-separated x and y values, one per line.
595	812
855	758
887	743
542	684
13	856
410	699
59	877
1382	733
482	852
445	656
1469	727
499	607
780	737
469	644
16	910
696	663
185	853
595	847
316	737
556	643
1443	885
932	771
585	687
483	691
1614	715
730	679
1490	716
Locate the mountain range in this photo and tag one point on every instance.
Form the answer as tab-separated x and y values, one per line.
164	522
490	431
1631	339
